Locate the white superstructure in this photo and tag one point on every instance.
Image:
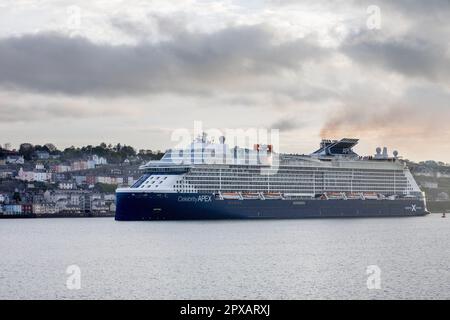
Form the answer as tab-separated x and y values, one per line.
208	168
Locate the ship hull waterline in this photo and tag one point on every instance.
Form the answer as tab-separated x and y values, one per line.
202	206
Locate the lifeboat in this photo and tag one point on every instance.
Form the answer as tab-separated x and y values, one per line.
231	195
370	196
250	195
273	195
335	196
354	196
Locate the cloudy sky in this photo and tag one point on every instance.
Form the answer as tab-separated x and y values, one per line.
83	72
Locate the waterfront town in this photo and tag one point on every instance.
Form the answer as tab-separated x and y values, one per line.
42	181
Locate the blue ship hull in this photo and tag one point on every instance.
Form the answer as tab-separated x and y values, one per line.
194	206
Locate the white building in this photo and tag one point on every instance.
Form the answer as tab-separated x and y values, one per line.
99	160
13	159
34	176
43	155
95	161
4	174
430	185
3	198
75	199
425	174
443	175
66	185
110	197
61	168
12	209
44	208
25	175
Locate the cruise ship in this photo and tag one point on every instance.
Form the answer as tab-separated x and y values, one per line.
208	180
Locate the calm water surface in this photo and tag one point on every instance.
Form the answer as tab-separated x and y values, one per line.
285	259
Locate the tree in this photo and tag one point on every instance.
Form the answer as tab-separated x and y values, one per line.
16	197
26	150
128	151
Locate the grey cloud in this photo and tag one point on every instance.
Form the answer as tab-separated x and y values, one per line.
286	124
433	8
190	63
12	112
21	107
408	56
154	24
412	41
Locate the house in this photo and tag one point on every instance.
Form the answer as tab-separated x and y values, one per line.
5	174
66	186
61	168
61	204
110	197
4	198
79	180
95	161
42	155
30	176
27	209
38	198
443	196
44	208
25	175
109	180
129	181
79	165
12	209
42	176
430	185
15	159
60	177
443	175
99	160
91	180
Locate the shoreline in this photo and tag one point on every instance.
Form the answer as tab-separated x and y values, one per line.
109	215
58	215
